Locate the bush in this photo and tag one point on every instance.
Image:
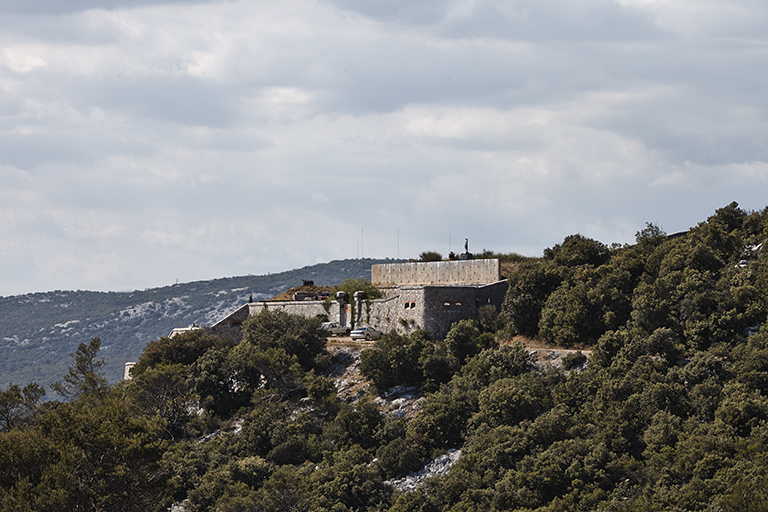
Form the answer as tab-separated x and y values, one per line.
296	335
464	340
493	364
430	256
184	348
401	457
574	360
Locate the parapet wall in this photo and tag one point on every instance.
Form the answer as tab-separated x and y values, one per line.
465	272
231	326
306	308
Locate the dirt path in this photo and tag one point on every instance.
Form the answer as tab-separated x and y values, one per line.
545	353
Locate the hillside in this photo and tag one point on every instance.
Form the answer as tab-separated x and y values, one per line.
664	408
38	331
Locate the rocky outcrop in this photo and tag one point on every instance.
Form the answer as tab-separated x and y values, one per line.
438	467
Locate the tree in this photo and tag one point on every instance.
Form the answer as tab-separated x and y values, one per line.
296	335
401	456
85	455
347	481
493	364
568	316
165	391
528	290
464	340
652	235
578	250
510	400
406	360
18	406
84	377
374	365
216	384
442	422
271	369
184	348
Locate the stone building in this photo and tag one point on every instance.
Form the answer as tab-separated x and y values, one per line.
430	296
433	295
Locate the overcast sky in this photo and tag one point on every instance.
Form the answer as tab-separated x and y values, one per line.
143	142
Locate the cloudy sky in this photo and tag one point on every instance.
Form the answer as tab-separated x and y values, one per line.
144	142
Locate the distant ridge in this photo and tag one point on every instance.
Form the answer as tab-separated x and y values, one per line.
39	331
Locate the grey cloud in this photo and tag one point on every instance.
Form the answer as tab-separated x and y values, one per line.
422	12
515	20
184	100
55	7
596	20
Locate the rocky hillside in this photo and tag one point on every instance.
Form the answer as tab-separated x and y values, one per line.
39	331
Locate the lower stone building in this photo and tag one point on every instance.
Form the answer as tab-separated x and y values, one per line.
433	308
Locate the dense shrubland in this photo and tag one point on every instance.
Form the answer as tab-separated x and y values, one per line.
670	413
706	287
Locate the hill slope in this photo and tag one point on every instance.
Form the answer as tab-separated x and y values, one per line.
39	331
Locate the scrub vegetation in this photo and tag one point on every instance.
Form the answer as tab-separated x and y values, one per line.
670	411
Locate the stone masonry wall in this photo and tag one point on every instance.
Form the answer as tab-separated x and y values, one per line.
307	308
493	293
447	305
231	326
436	273
402	312
432	308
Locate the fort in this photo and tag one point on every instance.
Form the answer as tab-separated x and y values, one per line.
417	295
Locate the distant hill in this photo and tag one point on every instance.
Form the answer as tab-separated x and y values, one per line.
39	331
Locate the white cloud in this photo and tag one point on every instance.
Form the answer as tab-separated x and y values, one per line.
692	175
21	59
86	224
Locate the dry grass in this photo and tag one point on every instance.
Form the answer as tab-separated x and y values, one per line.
543	346
346	341
508	268
288	294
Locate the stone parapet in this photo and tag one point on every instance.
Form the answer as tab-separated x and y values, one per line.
446	273
231	326
307	308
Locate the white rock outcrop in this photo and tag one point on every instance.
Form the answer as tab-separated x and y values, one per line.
438	467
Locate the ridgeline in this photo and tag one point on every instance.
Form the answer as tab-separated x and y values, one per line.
39	331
